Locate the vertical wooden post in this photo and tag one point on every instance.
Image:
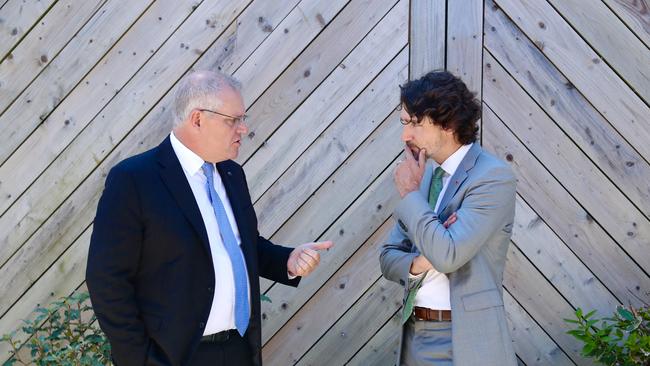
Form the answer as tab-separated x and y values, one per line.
447	34
465	43
426	36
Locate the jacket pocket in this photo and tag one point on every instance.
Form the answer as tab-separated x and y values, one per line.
482	300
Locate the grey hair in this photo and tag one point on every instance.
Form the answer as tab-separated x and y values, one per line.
200	89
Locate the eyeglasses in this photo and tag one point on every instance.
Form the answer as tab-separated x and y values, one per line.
406	123
415	122
232	121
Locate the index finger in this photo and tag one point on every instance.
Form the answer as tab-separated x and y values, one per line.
321	245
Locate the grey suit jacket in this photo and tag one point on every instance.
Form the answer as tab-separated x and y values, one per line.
472	252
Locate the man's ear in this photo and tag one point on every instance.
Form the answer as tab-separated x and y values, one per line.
195	118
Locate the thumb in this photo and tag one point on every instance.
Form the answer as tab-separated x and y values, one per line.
320	245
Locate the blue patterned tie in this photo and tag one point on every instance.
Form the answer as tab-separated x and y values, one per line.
242	310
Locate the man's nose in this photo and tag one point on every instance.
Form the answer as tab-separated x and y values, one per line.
243	128
406	134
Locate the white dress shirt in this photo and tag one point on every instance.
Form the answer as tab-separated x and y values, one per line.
434	293
222	313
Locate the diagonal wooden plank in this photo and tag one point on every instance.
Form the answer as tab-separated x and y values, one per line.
338	294
99	139
556	261
542	302
635	14
532	344
17	18
358	325
306	73
302	25
569	109
575	59
65	275
427	36
356	224
58	78
577	228
362	65
335	144
42	45
349	181
607	35
600	197
381	349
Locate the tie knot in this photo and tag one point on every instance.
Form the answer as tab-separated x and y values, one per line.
208	168
438	173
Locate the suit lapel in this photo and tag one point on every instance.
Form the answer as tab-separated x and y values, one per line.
460	175
172	175
234	190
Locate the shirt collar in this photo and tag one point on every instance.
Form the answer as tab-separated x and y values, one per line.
190	162
453	161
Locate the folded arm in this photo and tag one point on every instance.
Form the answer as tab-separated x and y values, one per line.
485	209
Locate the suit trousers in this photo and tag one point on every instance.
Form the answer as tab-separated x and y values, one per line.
234	351
426	343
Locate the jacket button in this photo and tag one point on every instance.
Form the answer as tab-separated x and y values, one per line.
201	325
401	282
210	289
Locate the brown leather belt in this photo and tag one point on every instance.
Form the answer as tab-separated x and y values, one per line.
431	314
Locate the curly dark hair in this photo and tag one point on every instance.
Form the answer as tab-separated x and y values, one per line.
445	99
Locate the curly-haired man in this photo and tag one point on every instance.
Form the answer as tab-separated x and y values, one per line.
454	223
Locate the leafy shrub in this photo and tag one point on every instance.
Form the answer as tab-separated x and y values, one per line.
622	340
65	333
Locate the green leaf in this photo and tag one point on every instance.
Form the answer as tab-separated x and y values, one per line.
625	314
579	312
265	298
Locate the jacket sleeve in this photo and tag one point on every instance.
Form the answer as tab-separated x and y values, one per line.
272	260
115	248
487	206
396	257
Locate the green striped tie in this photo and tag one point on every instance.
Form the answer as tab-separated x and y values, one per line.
434	192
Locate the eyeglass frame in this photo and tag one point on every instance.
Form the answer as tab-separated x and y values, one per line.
237	121
417	122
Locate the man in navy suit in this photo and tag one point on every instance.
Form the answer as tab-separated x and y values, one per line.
175	255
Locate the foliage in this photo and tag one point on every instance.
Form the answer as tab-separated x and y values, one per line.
622	340
65	333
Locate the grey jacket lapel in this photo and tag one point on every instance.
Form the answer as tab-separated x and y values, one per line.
460	175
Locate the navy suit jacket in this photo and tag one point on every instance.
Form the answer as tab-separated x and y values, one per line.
150	272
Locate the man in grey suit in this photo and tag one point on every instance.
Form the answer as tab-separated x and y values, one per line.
454	223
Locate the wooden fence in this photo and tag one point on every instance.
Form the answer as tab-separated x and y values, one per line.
565	88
